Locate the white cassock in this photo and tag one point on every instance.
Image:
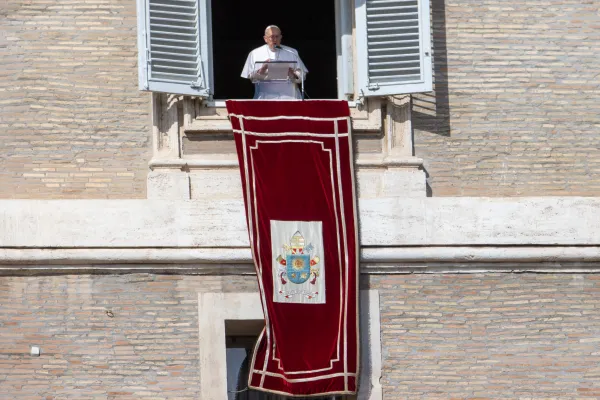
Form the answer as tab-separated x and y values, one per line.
273	90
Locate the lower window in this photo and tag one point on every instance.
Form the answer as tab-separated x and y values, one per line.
239	351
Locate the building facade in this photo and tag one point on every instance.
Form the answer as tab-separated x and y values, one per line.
122	226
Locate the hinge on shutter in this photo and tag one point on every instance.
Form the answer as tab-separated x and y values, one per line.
373	86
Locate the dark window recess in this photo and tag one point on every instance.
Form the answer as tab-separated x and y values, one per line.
238	27
239	353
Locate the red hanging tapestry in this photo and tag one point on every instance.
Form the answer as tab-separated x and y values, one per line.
298	182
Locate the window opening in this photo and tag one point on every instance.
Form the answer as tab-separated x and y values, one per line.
241	336
238	28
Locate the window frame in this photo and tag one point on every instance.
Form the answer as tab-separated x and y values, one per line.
343	44
216	308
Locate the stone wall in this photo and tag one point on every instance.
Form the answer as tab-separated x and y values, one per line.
444	336
514	112
72	121
517	99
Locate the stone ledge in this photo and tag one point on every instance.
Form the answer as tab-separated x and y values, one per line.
237	261
395	255
230	162
387	222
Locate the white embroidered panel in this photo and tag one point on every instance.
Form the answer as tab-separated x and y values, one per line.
298	262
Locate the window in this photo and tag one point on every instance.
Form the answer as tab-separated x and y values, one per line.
243	32
239	351
198	47
229	324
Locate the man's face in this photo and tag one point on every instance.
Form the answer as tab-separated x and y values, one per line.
273	38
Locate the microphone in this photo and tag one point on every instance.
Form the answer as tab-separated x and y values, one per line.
278	47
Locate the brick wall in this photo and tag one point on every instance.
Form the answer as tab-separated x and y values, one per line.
443	336
72	122
490	336
147	347
517	104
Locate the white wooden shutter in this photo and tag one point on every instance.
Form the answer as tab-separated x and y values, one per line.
393	46
172	54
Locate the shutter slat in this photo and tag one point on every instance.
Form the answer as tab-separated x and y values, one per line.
395	56
389	1
193	34
412	23
375	64
176	25
179	55
172	47
394	77
392	16
168	3
389	36
158	7
391	8
176	29
395	42
172	13
173	40
162	78
170	60
169	77
394	49
162	67
391	29
379	70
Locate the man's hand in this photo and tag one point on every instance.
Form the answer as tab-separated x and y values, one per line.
292	74
263	69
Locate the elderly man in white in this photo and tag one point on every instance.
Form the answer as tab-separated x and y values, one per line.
258	73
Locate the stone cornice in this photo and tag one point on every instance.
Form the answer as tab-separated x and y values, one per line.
375	161
397	235
237	261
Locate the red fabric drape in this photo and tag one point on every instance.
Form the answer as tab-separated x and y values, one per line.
297	176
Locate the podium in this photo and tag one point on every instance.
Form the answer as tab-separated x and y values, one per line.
277	80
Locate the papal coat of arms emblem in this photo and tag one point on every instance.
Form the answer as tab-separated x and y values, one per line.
297	265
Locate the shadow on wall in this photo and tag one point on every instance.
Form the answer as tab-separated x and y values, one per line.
428	188
431	111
